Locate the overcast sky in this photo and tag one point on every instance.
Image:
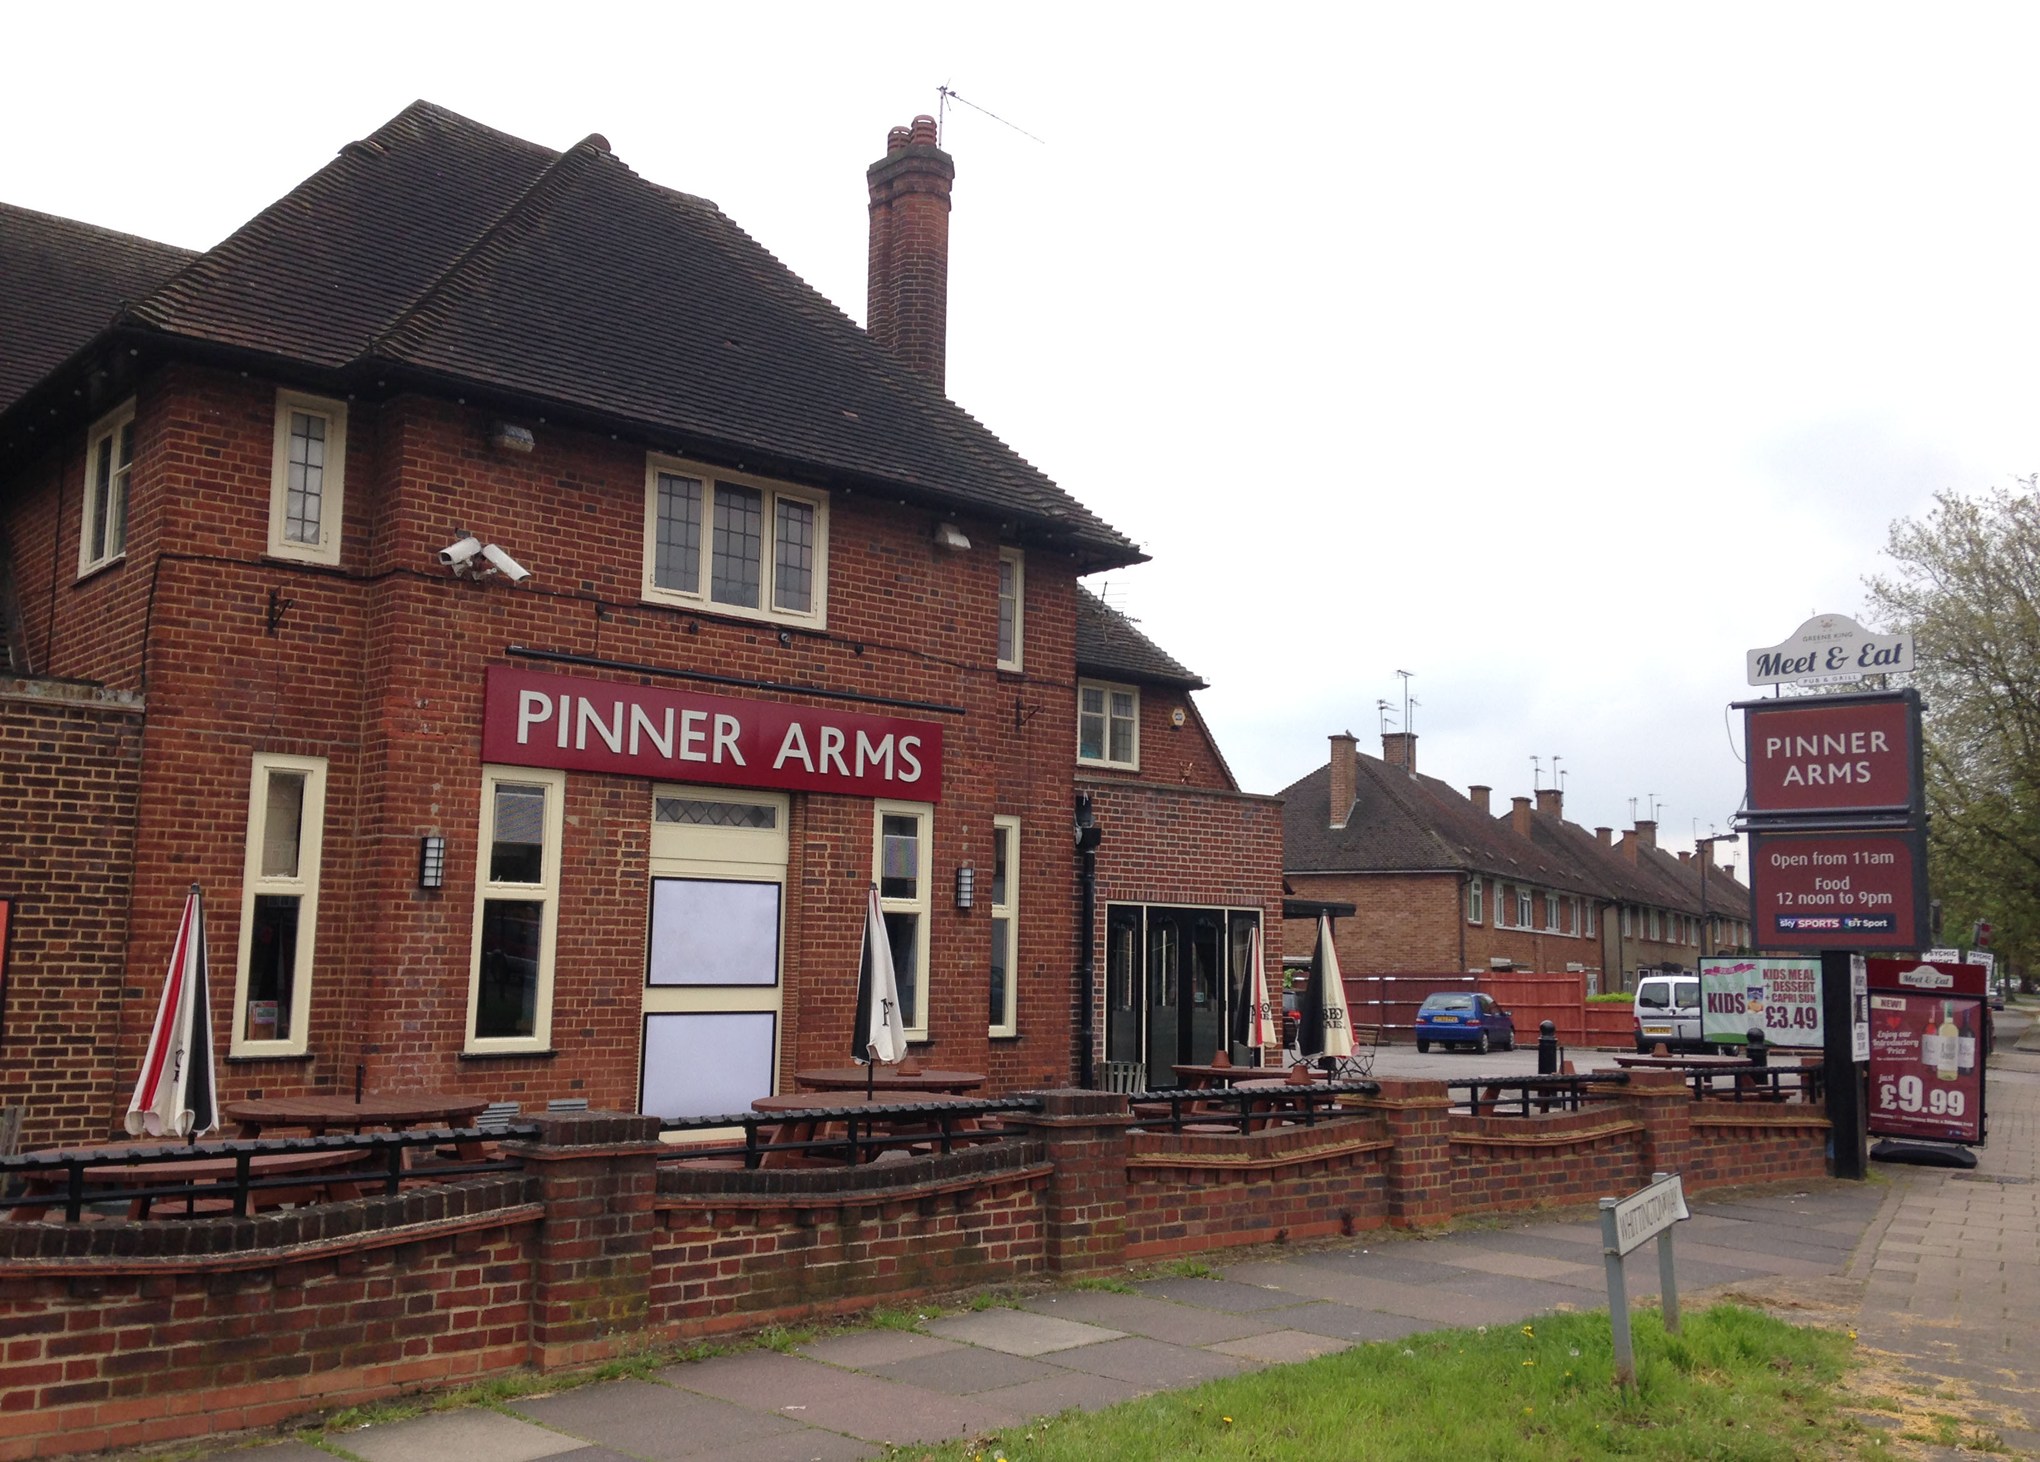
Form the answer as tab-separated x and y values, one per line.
1557	354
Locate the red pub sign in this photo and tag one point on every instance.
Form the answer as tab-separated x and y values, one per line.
535	720
1833	754
1837	890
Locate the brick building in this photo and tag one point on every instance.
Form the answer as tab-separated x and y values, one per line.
1441	883
535	618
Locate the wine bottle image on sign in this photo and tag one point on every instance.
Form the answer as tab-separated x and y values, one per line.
1948	1049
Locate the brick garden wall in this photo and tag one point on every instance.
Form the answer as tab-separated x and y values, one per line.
120	1333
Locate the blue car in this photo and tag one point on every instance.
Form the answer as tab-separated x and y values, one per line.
1464	1018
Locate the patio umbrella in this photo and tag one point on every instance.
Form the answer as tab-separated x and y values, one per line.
1325	1028
1258	1022
175	1096
879	1034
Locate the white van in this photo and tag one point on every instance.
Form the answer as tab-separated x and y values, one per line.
1667	1012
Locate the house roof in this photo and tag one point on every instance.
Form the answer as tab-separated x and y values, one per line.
1615	876
1108	644
1403	822
440	252
61	283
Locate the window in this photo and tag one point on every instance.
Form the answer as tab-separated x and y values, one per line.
516	910
1473	899
1656	926
737	544
109	463
1628	928
1108	724
901	857
1551	912
279	905
1012	592
308	477
1005	970
1524	911
1588	904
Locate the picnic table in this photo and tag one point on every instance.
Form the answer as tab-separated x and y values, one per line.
1747	1074
813	1118
47	1188
1200	1075
903	1078
320	1114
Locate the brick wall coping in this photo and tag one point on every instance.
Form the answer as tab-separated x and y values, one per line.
1034	1174
87	695
1738	1114
1466	1134
1251	1160
1184	789
943	1170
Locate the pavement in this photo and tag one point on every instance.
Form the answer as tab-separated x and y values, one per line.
1935	1270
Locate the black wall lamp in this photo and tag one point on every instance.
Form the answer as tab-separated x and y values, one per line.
431	862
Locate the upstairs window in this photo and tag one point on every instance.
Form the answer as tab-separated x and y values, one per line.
1474	897
1012	594
1551	912
739	545
109	463
308	478
1524	912
1108	725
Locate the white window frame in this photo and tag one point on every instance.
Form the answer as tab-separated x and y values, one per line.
546	892
1009	827
1018	559
1588	909
1526	908
332	479
816	616
304	887
1551	905
1109	688
1628	923
121	479
923	905
1657	927
1475	900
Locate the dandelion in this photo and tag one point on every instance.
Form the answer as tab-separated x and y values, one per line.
1529	1362
1574	1352
1531	1331
1226	1419
1852	1333
1480	1329
1528	1410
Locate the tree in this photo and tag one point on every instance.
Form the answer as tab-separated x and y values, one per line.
1966	580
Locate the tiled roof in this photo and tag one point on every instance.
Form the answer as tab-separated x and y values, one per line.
470	258
61	283
1404	823
1108	644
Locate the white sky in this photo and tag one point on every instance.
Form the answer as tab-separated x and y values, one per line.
1556	354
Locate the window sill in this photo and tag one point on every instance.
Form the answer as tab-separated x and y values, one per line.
736	613
85	575
1002	1035
545	1054
252	1058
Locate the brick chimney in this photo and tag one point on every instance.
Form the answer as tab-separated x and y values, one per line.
1399	749
1605	836
906	303
1645	832
1519	816
1551	800
1478	795
1345	774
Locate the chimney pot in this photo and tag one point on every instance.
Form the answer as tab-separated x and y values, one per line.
906	305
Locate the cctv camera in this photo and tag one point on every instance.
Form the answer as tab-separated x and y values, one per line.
504	564
455	554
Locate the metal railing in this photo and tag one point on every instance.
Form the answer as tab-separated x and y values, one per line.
63	1178
1521	1096
1757	1083
847	1134
1247	1109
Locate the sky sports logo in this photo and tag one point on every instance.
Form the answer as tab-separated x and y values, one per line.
1854	923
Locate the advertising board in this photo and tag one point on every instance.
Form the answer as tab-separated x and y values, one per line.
1926	1066
1779	996
1854	753
1837	890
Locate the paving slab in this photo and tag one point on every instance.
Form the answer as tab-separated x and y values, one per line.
1281	1347
1402	1268
1064	1391
1347	1322
1136	1314
806	1444
1020	1332
655	1422
836	1400
1508	1262
472	1435
862	1351
1149	1364
274	1452
964	1370
1233	1296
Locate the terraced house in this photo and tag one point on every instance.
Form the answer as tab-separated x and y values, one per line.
536	618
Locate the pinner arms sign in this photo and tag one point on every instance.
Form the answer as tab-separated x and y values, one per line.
1830	647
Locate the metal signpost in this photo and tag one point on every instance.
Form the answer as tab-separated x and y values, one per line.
1629	1223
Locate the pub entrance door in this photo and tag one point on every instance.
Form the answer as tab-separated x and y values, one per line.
1172	977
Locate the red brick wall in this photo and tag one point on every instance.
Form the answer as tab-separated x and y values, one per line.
1195	1192
1502	1164
70	764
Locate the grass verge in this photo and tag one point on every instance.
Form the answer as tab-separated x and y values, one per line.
1736	1384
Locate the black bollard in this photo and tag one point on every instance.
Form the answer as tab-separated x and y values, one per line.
1547	1049
1760	1054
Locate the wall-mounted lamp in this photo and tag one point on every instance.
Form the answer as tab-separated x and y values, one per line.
431	862
948	535
966	886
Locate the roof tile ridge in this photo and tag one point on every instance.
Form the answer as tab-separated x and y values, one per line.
590	149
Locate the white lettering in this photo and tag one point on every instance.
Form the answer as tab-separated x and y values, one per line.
794	744
832	750
639	721
692	733
908	745
611	733
869	755
726	729
566	718
533	706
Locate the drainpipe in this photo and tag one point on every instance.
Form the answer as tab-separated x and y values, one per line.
1088	835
